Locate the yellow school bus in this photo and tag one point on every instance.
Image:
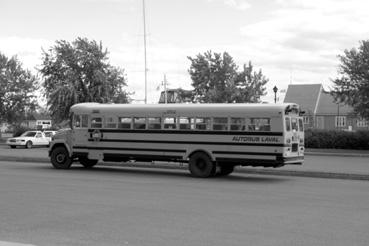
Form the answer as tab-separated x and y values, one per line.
211	138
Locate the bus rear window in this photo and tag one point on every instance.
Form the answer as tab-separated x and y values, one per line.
288	124
301	125
294	124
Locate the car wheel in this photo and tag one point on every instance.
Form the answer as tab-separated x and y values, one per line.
13	146
60	158
29	145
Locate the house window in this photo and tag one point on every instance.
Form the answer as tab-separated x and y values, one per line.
362	122
306	120
340	121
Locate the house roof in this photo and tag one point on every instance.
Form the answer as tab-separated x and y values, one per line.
314	100
306	95
327	106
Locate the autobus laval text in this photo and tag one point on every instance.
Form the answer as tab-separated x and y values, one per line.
211	138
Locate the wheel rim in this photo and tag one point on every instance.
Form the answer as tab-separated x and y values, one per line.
60	158
201	165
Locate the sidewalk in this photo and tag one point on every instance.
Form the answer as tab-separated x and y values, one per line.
320	163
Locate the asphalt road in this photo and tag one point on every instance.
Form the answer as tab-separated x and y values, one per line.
40	205
333	163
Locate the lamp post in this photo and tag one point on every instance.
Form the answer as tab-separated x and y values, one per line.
275	89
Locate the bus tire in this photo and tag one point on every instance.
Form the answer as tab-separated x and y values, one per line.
225	170
200	165
87	163
60	158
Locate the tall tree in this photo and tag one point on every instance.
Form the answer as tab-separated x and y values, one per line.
250	85
79	72
352	85
17	90
216	80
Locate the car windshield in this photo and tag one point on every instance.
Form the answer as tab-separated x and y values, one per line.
48	134
28	134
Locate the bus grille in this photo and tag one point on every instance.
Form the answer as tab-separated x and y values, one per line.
295	147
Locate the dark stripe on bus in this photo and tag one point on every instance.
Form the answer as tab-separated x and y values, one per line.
188	132
188	142
245	153
130	149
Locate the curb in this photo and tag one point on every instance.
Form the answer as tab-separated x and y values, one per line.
310	174
337	154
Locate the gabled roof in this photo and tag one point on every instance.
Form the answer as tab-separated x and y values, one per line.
306	95
327	106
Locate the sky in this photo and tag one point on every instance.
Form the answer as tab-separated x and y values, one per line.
291	41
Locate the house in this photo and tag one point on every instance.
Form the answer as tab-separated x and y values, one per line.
321	111
37	121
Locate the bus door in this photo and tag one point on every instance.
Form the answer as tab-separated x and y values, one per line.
80	129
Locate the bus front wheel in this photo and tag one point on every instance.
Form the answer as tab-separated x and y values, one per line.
60	158
87	163
200	165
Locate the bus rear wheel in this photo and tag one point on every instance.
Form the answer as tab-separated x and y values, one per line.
87	163
60	158
225	170
200	165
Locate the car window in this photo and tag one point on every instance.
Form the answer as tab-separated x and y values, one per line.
28	134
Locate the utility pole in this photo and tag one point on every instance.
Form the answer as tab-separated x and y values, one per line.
144	27
165	89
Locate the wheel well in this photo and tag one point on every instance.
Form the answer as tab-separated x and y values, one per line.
201	151
59	145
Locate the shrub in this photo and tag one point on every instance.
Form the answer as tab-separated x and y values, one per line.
330	139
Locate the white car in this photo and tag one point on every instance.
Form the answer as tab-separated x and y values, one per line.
49	134
29	139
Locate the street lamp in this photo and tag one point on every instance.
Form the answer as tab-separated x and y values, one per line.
275	89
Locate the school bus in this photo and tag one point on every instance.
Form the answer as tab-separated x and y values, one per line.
211	138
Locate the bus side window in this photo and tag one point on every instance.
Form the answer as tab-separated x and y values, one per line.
301	125
237	124
139	123
220	124
124	122
96	122
170	123
110	122
186	123
259	124
288	124
203	123
154	123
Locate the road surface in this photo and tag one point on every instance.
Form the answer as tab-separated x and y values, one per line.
40	205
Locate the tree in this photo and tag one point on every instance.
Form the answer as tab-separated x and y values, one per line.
17	90
79	72
352	86
216	80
